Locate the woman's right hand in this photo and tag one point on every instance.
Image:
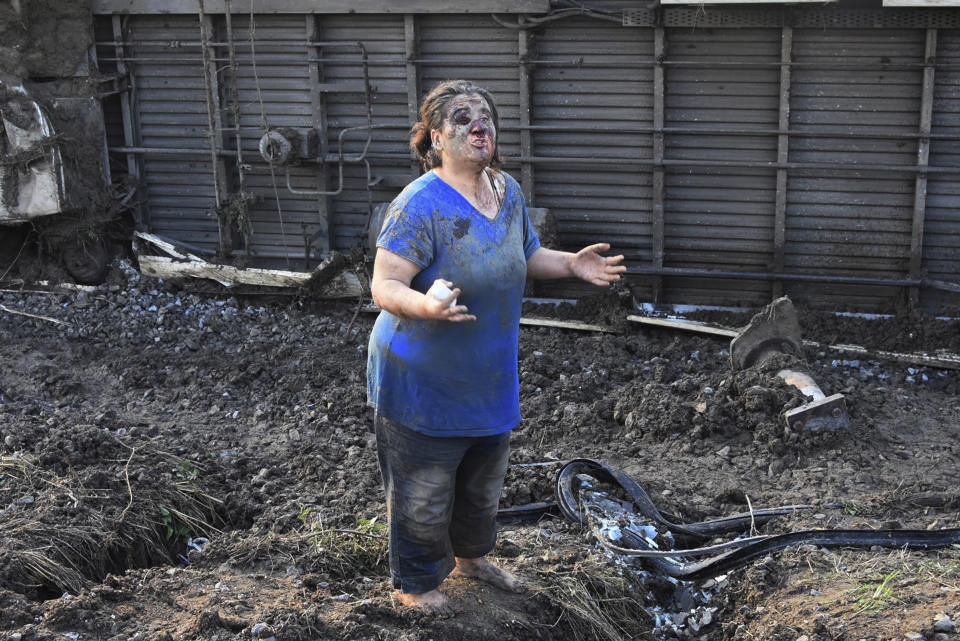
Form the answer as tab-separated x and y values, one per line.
440	303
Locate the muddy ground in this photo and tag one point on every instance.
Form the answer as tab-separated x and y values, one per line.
154	416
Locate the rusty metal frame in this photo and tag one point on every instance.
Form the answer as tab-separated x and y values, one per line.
923	158
526	116
411	52
783	156
657	213
319	115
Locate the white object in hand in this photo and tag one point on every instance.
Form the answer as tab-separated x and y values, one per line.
441	291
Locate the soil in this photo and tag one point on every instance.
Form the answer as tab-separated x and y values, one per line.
153	418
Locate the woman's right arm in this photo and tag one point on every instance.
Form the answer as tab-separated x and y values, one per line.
390	287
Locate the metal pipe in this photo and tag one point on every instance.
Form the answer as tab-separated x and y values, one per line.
168	151
807	278
645	162
341	159
799	133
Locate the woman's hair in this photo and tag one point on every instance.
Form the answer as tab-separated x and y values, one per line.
434	110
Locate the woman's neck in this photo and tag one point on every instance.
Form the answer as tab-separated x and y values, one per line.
472	185
464	179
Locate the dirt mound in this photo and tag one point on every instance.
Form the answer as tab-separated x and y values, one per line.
157	391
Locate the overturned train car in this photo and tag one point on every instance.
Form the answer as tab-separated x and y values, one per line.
732	153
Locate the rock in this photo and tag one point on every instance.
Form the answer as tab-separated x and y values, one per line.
261	631
724	452
913	636
942	623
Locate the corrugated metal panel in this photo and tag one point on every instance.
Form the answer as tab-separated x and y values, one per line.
112	113
854	222
595	83
171	108
383	39
479	50
855	100
941	254
720	217
275	94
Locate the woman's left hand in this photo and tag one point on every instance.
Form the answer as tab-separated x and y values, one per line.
589	265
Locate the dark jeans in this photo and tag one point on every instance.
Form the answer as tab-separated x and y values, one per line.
442	498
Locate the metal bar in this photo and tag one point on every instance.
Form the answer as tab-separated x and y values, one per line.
217	166
413	81
796	133
130	130
721	164
581	161
807	278
923	158
628	129
169	151
783	155
659	191
573	64
319	121
243	233
526	104
278	7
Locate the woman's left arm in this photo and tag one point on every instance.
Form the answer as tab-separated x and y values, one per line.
586	264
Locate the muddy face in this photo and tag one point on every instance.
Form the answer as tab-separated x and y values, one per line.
468	133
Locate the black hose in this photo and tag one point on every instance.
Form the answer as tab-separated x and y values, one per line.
746	550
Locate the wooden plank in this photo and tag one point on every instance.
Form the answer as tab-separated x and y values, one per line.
783	155
942	361
923	158
327	6
562	324
346	284
684	325
170	248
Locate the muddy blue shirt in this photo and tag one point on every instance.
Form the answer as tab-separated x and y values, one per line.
443	378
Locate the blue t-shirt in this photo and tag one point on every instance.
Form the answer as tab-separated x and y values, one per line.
443	378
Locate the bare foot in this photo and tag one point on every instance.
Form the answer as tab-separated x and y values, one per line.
433	602
483	570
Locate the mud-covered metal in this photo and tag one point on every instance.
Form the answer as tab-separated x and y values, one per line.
756	140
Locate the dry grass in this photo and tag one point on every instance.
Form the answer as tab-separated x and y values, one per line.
65	532
338	553
596	602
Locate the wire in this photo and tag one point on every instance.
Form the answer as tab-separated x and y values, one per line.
527	22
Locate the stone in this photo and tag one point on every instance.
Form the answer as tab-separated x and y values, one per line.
942	623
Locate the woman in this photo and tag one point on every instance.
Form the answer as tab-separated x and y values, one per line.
454	252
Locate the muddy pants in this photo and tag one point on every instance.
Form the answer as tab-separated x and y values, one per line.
442	498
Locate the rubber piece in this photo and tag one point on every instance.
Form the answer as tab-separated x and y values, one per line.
746	550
